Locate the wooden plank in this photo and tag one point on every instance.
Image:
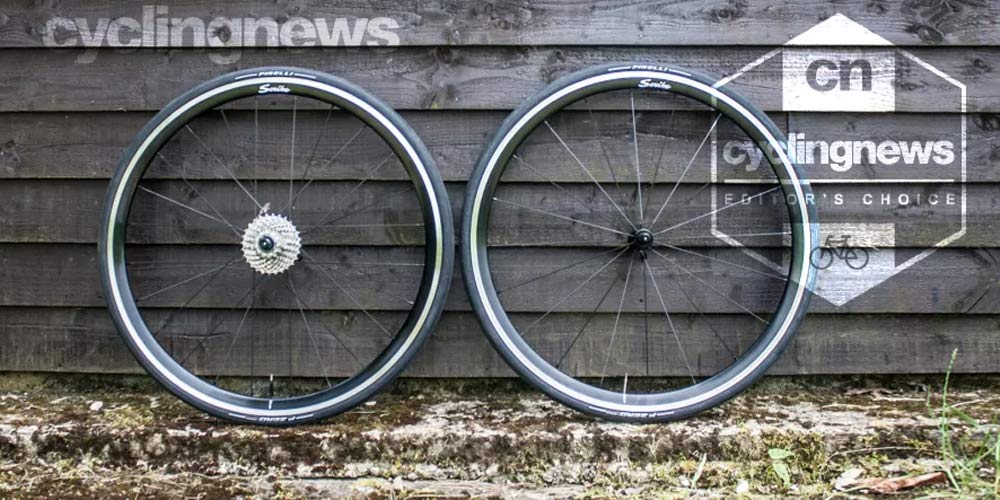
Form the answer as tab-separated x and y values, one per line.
948	281
384	213
87	145
442	78
557	22
85	341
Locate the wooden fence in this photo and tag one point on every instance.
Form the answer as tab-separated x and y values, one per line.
461	67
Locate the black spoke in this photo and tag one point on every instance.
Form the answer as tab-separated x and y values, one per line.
305	321
573	292
246	312
559	270
564	190
710	287
723	261
635	143
348	293
618	315
559	216
184	281
670	322
717	210
291	162
590	318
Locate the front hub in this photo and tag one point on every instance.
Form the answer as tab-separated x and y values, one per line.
271	244
641	239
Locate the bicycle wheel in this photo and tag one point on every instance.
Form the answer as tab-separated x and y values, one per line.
276	245
611	266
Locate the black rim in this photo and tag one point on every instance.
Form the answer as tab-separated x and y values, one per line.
625	225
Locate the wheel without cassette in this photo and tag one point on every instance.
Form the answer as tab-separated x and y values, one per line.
615	265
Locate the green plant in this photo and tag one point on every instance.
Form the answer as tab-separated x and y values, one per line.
779	465
968	455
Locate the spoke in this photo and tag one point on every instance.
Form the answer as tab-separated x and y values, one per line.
635	143
747	235
342	344
253	299
190	299
224	167
557	186
195	210
198	194
291	162
645	316
670	323
214	210
309	162
188	280
380	201
550	273
312	340
573	291
618	315
659	159
328	162
717	210
253	339
716	259
377	287
348	293
685	171
416	224
701	314
710	287
590	318
256	142
585	169
319	139
356	187
604	150
211	334
553	214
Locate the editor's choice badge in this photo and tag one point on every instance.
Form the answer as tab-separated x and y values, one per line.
889	189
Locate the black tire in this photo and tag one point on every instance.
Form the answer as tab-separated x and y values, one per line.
435	259
483	292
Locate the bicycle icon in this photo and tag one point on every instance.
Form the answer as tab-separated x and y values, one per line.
838	247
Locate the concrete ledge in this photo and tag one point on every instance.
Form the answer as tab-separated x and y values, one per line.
497	438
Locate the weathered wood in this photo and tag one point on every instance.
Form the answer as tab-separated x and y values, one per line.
88	145
560	22
948	281
442	78
84	340
385	213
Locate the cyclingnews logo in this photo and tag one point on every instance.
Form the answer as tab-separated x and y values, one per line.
889	189
154	28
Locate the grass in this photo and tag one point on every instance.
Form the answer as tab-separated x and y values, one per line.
968	457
